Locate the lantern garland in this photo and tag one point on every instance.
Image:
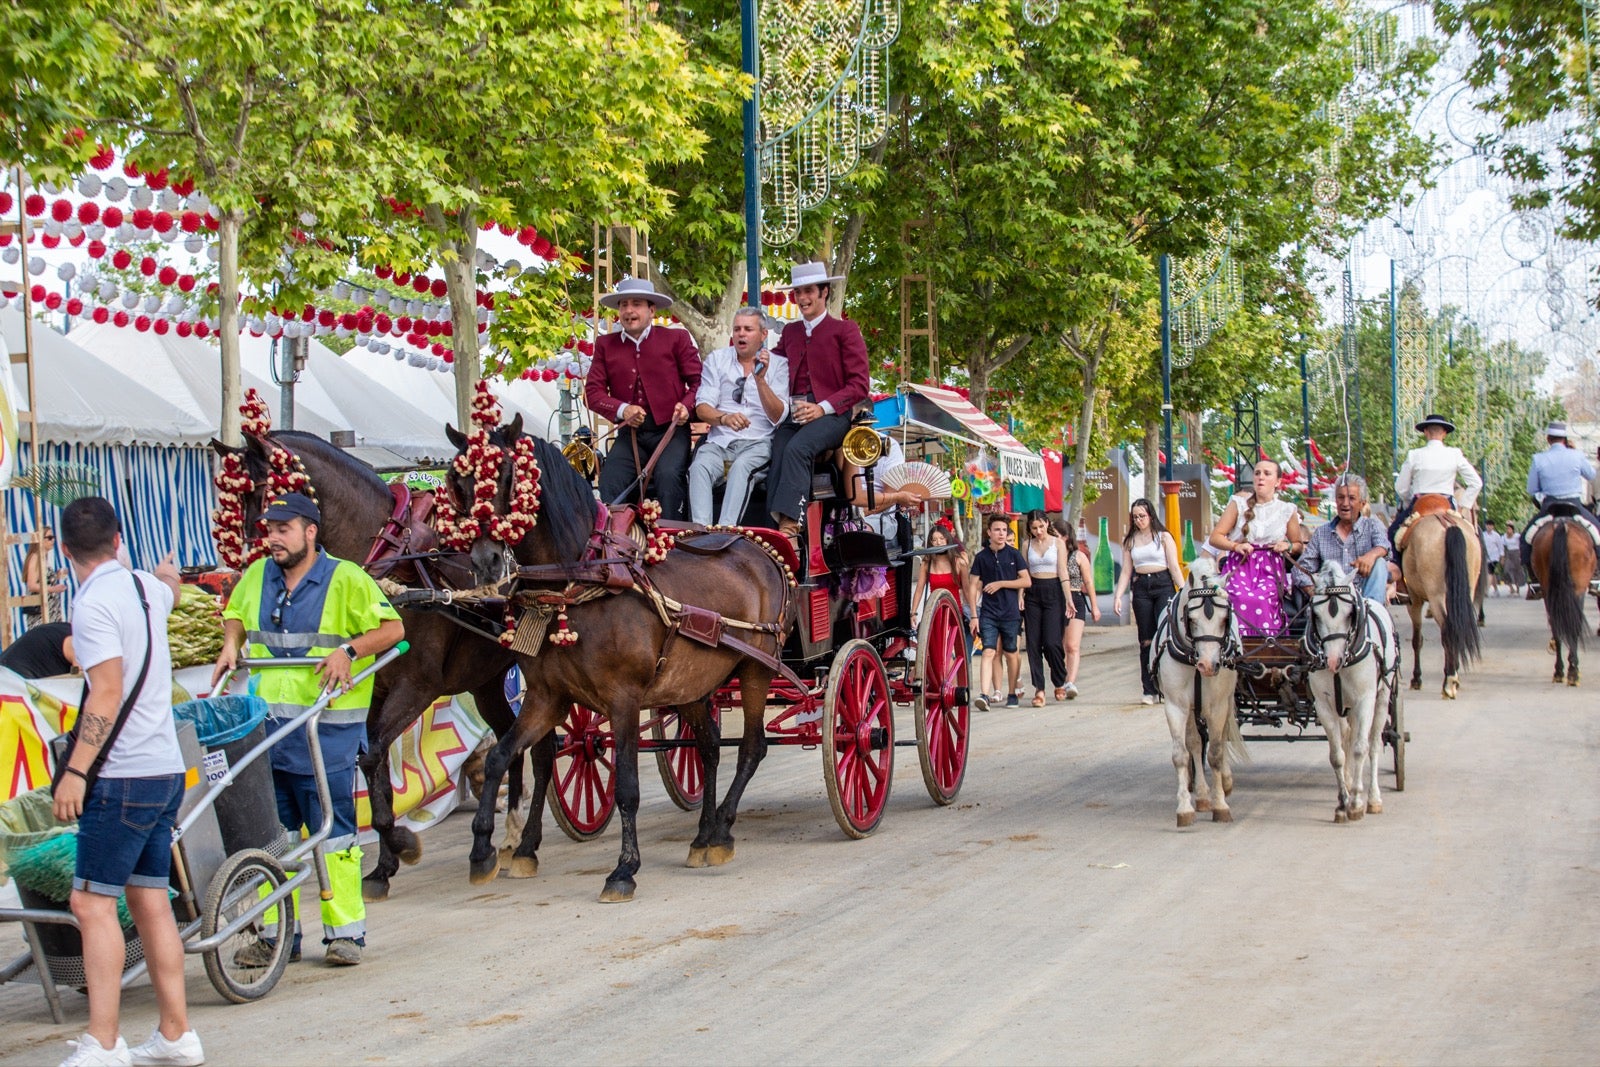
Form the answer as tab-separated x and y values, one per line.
286	474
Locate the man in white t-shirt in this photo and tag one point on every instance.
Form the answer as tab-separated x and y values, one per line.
1494	547
125	817
744	394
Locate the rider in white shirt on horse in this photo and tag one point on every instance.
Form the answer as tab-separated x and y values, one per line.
1434	468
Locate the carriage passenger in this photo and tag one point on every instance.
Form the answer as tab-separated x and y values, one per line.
1259	533
743	395
1353	539
1150	569
1556	476
644	380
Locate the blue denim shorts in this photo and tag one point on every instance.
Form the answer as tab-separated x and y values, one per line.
125	834
991	630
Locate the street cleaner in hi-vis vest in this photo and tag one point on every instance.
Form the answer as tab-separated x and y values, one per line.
300	601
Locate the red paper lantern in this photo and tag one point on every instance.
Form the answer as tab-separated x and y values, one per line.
143	218
120	319
161	326
186	283
103	158
486	226
348	320
53	301
142	324
440	287
121	258
384	271
96	249
383	322
5	239
401	278
111	216
100	315
202	329
325	318
507	229
61	210
184	329
74	306
189	222
183	188
436	348
547	375
403	323
158	180
420	283
364	323
210	222
162	223
131	169
167	275
541	246
49	240
147	266
416	340
446	328
6	202
38	293
526	235
34	205
87	212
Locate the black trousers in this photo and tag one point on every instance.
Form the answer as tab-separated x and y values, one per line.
1044	610
668	482
795	449
1150	593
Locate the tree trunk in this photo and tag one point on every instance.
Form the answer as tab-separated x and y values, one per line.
1090	358
228	225
713	331
1152	461
460	278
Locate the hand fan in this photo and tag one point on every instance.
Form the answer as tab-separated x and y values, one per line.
924	479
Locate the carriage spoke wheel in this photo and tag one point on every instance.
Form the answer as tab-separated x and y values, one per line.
683	773
239	969
858	738
943	715
1394	735
583	787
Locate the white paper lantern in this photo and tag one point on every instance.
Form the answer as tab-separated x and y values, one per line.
173	305
213	253
194	244
66	272
199	202
341	331
72	230
11	254
48	188
116	188
168	200
95	231
143	233
399	356
107	291
89	185
87	283
124	234
274	323
511	268
172	234
52	228
141	196
36	265
341	290
152	303
130	300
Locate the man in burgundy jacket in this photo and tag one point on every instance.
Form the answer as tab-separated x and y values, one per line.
827	378
644	379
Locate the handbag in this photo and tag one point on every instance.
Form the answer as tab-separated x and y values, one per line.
61	746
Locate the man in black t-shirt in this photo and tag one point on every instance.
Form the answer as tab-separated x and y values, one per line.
995	582
41	652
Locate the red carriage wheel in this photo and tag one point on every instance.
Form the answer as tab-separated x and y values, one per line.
583	787
683	773
942	716
858	738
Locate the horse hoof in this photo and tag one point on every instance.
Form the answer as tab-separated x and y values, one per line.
717	855
1340	815
1572	679
482	874
1221	815
697	857
1203	804
617	892
1185	818
507	854
374	891
1356	814
1557	678
523	867
1415	684
1374	807
410	846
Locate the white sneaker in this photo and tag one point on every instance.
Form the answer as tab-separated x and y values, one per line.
1072	691
1148	698
184	1052
88	1052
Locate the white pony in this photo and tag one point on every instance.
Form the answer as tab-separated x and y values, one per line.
1354	664
1195	644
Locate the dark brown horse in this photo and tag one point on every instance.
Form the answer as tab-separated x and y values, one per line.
1563	563
626	657
445	659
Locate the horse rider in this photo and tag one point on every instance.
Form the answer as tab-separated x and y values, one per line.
1357	541
1435	468
1556	476
300	601
644	380
743	395
828	377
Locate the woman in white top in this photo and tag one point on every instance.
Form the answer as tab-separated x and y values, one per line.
1259	533
1150	568
1044	606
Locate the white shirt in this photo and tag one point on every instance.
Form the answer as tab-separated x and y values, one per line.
1269	523
811	324
107	623
637	342
1434	468
1494	545
720	376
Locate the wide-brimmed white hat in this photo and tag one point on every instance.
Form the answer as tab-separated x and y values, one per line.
813	273
1556	429
1437	420
642	288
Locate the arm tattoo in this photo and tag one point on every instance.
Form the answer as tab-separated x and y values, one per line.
96	729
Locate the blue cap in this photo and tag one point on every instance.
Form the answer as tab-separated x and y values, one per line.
292	506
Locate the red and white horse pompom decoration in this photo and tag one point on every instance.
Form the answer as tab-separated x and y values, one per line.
286	474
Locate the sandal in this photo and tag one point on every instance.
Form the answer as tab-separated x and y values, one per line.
1038	698
1061	694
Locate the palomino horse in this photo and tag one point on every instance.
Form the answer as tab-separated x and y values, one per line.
1563	562
1441	565
641	635
446	658
1195	643
1354	657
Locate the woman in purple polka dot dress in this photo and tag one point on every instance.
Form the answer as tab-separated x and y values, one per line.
1258	532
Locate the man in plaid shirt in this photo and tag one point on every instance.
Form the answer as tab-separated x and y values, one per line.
1355	540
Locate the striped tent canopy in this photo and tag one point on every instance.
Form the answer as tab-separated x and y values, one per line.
947	413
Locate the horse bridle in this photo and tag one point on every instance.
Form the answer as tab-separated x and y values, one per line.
1183	644
1358	642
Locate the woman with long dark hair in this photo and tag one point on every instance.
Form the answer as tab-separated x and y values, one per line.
1044	606
1081	603
1150	567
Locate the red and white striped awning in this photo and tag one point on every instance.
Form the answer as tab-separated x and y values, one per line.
961	419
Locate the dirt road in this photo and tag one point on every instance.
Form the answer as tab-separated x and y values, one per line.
1054	914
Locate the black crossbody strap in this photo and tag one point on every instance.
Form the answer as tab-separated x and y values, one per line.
138	685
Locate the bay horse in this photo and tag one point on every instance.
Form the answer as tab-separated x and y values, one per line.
1354	655
1563	562
632	650
1441	562
445	658
1196	643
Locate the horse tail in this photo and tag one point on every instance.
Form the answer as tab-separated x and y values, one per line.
1237	752
1458	629
1562	603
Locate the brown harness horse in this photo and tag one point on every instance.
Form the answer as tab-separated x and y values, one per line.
1563	562
649	635
446	658
1441	561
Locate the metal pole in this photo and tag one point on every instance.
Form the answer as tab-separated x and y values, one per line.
1305	423
1394	370
283	352
750	52
1165	263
